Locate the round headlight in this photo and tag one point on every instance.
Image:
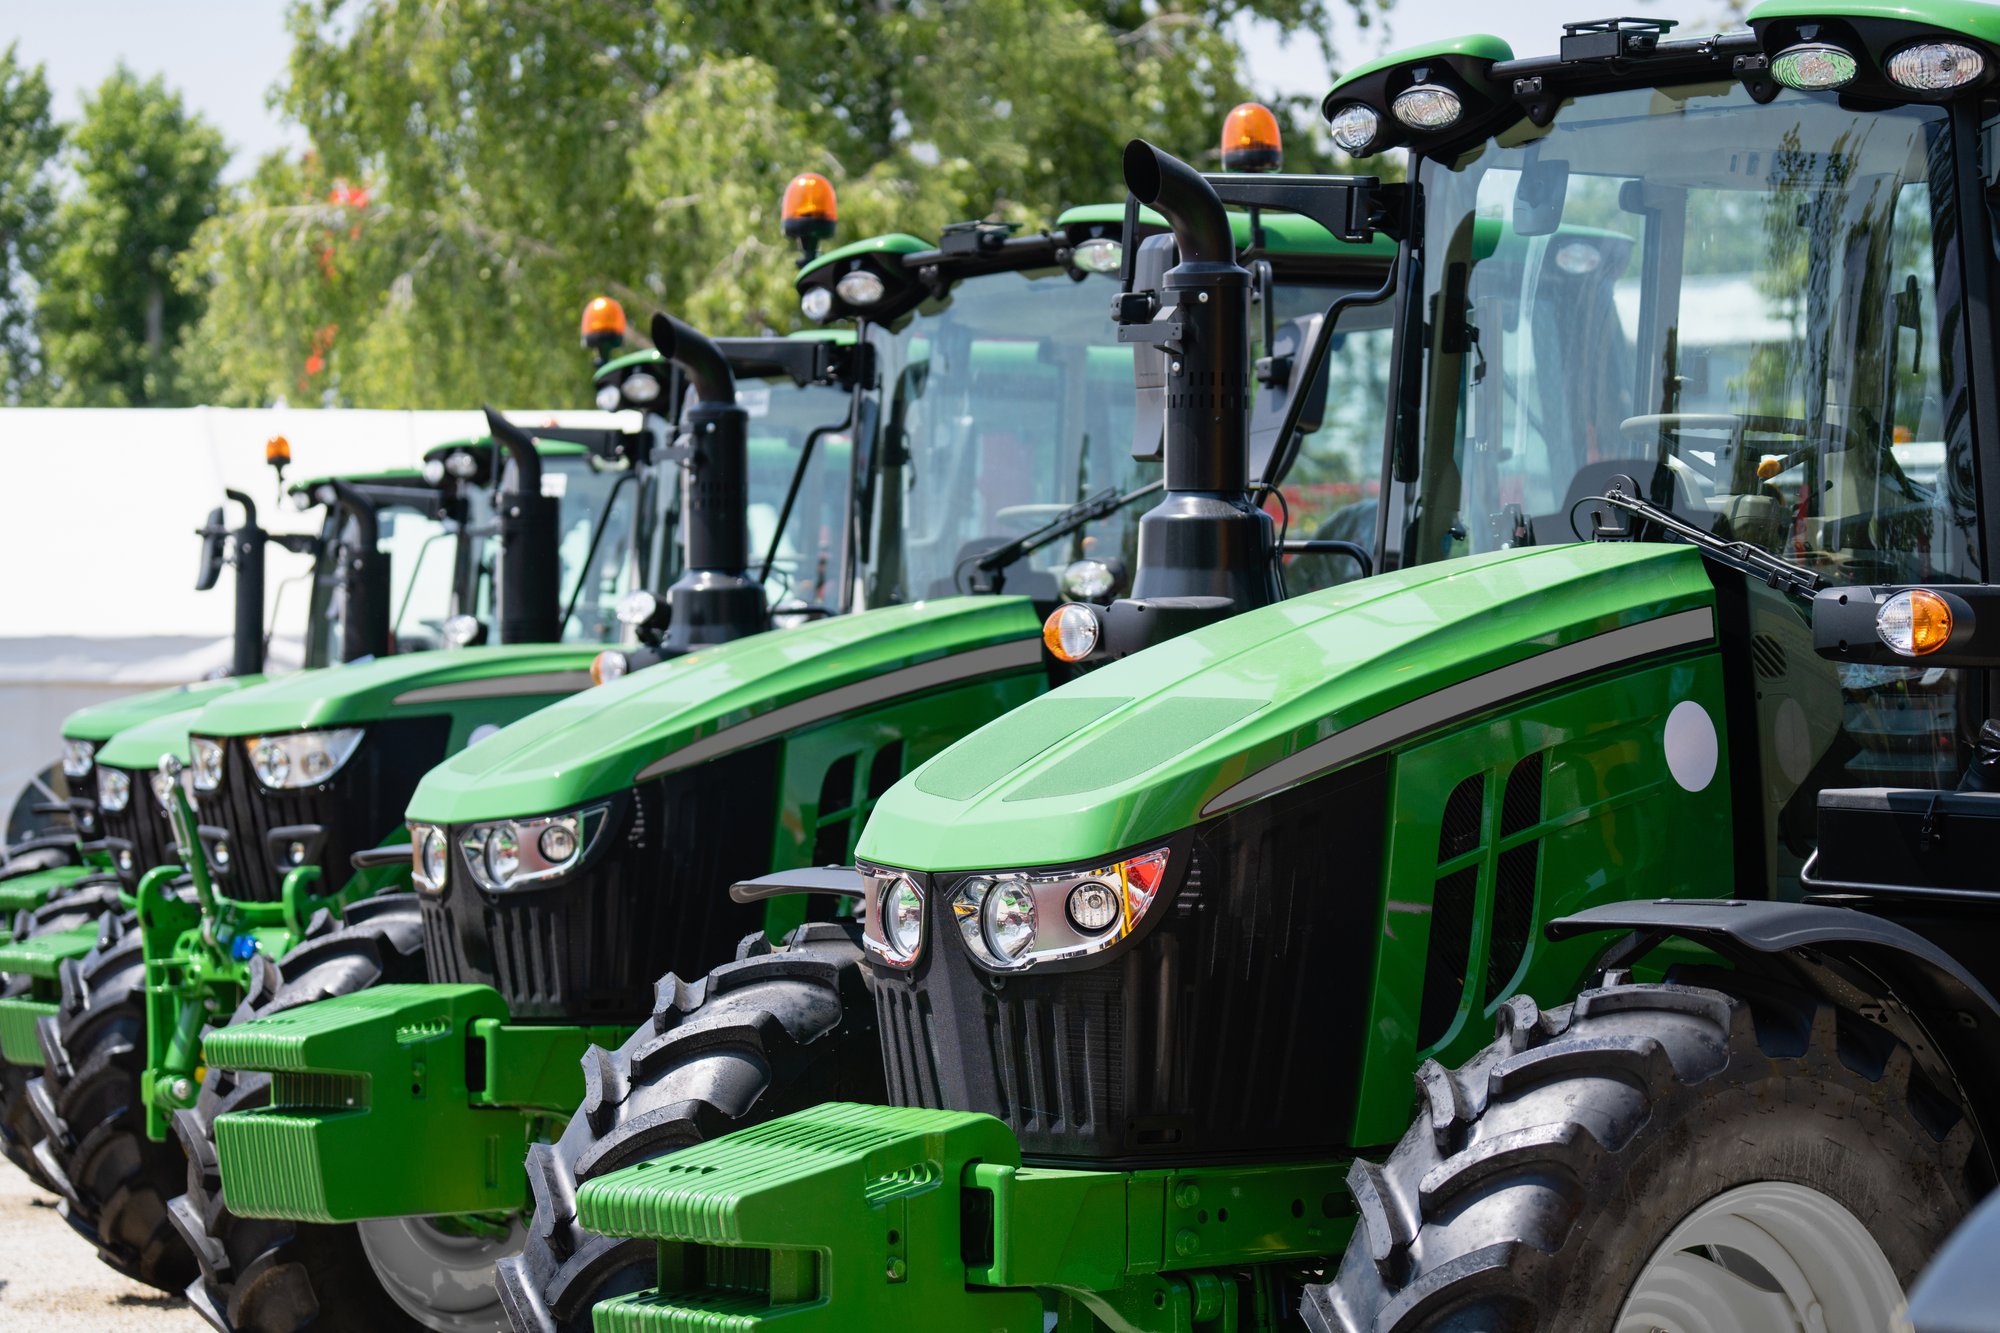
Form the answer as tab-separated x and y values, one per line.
1007	919
114	789
1099	254
901	908
432	852
1070	631
639	607
1931	67
557	843
77	757
1088	581
459	631
1813	65
1354	127
315	764
1427	107
461	464
1913	622
219	854
860	287
642	386
609	399
273	765
207	764
816	303
503	854
1093	906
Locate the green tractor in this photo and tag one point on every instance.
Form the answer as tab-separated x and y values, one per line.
988	374
54	911
1675	427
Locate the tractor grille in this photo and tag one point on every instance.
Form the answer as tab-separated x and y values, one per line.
142	824
653	899
1231	1028
358	808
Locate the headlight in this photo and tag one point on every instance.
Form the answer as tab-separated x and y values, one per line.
609	399
1099	254
1016	919
1814	65
114	789
860	287
816	304
301	758
207	764
1427	107
511	853
427	857
1931	67
461	630
893	912
642	386
77	757
1354	127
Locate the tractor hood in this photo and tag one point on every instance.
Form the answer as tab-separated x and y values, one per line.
723	698
139	747
406	684
1150	745
100	722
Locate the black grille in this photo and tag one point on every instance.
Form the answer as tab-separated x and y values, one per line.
1513	915
143	825
1218	1032
656	899
358	808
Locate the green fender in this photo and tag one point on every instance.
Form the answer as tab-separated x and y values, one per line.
100	722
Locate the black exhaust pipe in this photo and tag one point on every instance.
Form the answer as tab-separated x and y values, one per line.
1205	538
714	600
249	540
530	568
363	578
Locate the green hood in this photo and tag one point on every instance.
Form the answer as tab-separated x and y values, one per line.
100	722
719	699
1153	744
139	747
409	683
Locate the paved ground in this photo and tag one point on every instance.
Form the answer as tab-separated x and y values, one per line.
51	1282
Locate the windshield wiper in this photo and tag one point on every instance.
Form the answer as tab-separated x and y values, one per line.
987	566
1783	575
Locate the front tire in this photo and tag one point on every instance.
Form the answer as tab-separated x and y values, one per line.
1658	1157
775	1031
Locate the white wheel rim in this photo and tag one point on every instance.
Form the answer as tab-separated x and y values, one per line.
1772	1257
443	1280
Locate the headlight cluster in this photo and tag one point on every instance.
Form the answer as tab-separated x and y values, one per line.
77	757
299	758
114	789
1015	919
508	853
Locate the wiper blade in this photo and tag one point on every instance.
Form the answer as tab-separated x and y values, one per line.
1783	575
1087	510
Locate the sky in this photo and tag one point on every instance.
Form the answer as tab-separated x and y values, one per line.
226	55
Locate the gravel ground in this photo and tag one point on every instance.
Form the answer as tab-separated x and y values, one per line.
52	1282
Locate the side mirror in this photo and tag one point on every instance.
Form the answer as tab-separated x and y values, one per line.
1278	373
1539	197
212	534
1156	254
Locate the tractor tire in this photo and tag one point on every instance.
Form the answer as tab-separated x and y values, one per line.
262	1275
49	851
1672	1146
20	1128
115	1181
778	1030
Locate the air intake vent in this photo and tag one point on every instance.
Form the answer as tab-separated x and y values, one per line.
1513	915
1450	950
1521	808
1767	655
1460	831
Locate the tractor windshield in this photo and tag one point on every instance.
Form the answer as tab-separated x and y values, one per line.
1745	311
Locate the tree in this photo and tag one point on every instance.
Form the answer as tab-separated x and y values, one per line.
148	175
29	141
518	156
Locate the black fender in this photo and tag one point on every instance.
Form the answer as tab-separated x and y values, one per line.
1869	966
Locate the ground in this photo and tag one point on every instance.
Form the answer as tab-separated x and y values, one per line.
52	1282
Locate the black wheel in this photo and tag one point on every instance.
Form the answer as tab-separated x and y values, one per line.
46	852
1658	1158
775	1031
263	1275
114	1180
20	1128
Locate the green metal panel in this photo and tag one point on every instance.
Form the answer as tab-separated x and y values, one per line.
408	684
1478	46
1969	17
719	698
100	722
895	243
24	893
42	956
1323	665
19	1016
140	746
372	1113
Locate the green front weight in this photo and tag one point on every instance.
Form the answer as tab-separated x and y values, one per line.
19	1017
42	956
927	1219
25	893
398	1101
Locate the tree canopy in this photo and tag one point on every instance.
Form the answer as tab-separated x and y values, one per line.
29	139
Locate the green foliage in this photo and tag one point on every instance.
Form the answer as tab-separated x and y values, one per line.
29	140
110	311
514	157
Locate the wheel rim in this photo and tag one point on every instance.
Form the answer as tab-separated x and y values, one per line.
442	1279
1773	1257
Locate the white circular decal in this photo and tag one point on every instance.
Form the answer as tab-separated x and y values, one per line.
1691	745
